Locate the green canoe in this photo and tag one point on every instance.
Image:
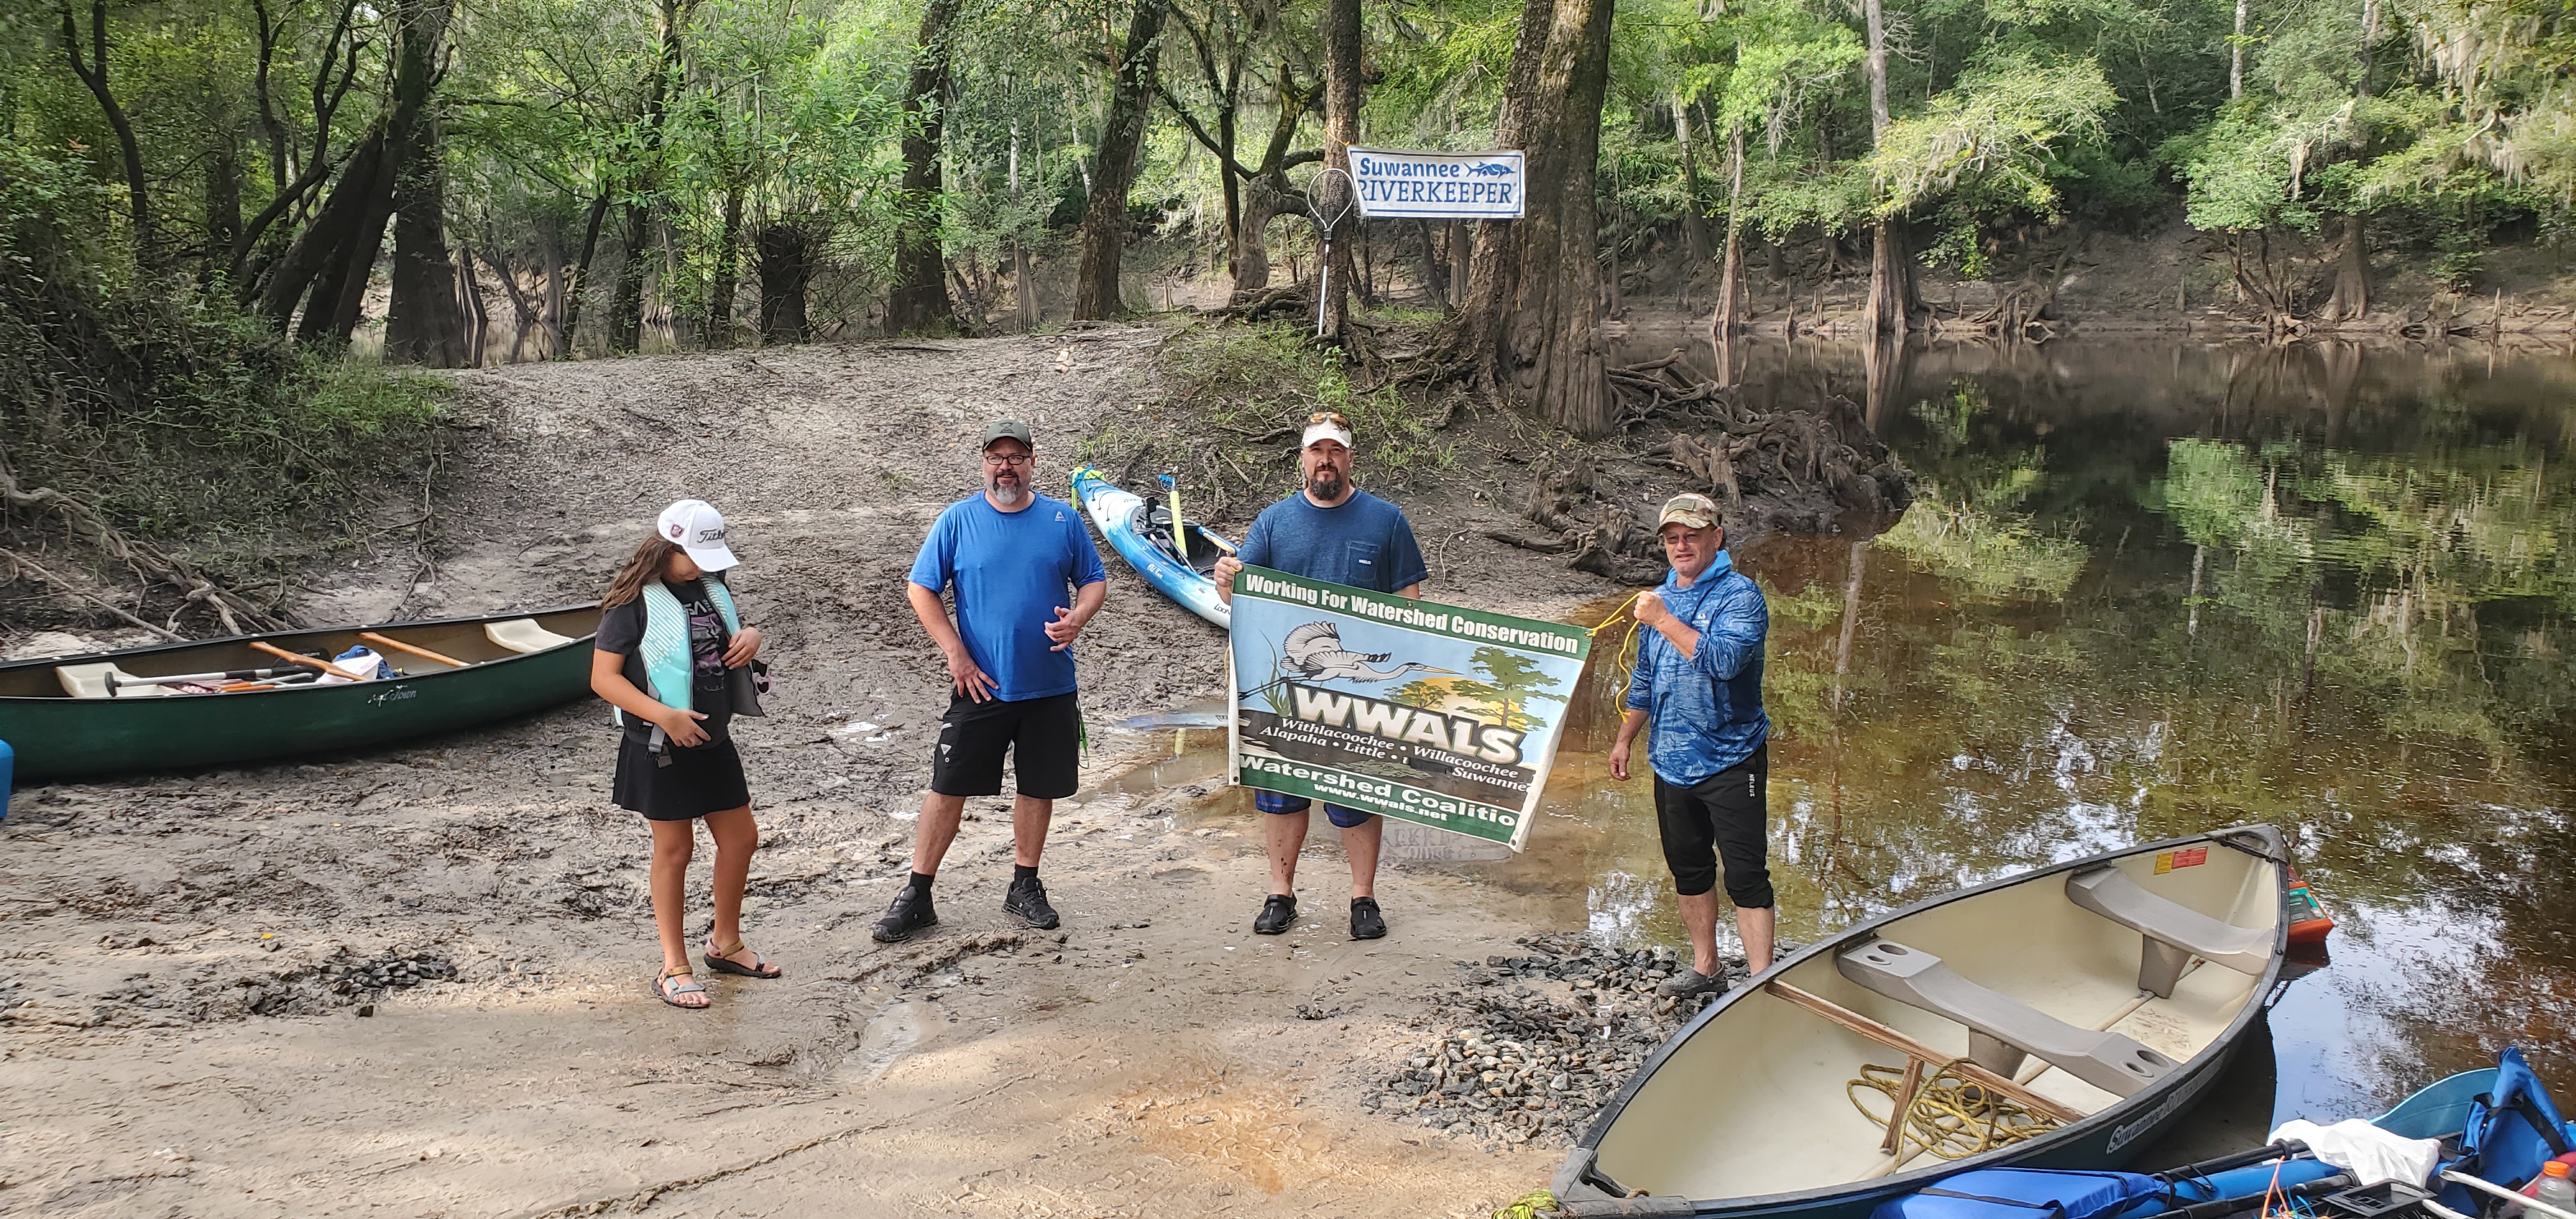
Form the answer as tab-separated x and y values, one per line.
78	716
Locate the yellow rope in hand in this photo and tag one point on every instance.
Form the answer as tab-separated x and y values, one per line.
1529	1205
1951	1117
1622	659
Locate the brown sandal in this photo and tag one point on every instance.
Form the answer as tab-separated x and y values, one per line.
759	967
671	994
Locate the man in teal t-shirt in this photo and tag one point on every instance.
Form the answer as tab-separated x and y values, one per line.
1026	580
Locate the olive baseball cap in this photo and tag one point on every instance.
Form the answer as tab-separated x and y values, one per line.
1689	508
1008	429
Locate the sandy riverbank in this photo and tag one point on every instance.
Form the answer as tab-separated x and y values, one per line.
183	1049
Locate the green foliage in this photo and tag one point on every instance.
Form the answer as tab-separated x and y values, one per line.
172	413
1995	131
1257	378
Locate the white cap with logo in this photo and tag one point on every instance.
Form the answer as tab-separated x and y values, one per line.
696	526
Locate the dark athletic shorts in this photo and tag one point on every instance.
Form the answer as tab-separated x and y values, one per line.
1273	802
1720	818
1047	733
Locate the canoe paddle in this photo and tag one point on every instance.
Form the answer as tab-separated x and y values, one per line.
114	682
400	646
306	661
1180	541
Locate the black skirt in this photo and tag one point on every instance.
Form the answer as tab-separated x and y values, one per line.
707	779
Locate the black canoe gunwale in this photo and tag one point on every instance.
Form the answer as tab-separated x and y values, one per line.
121	654
2191	1078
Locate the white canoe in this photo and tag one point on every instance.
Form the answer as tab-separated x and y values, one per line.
2064	980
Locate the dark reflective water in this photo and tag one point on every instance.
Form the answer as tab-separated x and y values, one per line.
2151	589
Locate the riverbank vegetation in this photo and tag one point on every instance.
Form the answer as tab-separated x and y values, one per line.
271	186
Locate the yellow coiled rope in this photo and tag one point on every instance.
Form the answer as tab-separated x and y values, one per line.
1528	1206
1951	1117
1623	626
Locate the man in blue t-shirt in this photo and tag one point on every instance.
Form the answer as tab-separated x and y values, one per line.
1027	580
1333	531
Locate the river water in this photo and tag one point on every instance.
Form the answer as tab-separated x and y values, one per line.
2149	589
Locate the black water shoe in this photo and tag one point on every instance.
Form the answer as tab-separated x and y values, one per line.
1276	914
910	912
1027	902
1366	922
1687	982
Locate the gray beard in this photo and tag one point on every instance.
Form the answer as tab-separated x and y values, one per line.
1326	487
1001	493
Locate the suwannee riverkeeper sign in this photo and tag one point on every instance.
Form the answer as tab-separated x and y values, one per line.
1438	185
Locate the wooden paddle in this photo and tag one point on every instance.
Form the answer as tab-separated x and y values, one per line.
400	646
306	661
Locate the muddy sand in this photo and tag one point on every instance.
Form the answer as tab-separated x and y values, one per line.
415	981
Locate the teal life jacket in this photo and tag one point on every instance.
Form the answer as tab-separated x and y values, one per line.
667	663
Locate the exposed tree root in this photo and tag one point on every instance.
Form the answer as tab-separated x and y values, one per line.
153	566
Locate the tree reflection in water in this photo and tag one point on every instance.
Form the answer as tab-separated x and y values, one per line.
2145	591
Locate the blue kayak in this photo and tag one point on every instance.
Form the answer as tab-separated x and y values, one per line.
1141	532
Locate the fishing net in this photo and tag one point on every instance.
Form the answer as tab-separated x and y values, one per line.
1329	199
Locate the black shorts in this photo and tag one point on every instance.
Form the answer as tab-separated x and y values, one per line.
1720	818
1047	733
707	779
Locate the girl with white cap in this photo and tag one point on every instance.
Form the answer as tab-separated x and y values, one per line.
672	657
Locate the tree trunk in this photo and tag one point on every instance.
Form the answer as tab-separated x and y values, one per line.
424	325
223	202
728	272
1435	280
920	299
626	307
2236	56
1891	279
1730	276
1475	337
93	73
1552	344
1341	129
1458	243
1122	135
1694	225
581	277
2351	299
786	266
339	297
1261	201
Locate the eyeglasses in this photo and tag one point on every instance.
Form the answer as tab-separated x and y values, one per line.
1009	459
1331	417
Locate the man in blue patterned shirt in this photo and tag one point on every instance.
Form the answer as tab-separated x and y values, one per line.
1699	682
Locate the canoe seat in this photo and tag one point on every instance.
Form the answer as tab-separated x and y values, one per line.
2001	1029
90	681
523	635
2174	933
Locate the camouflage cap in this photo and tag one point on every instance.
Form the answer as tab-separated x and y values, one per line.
1689	508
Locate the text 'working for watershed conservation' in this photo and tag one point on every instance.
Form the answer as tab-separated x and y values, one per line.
1434	714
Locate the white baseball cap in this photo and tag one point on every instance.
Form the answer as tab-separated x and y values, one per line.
699	529
1326	425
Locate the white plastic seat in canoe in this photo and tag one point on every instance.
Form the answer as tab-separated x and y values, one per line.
2001	1029
2174	933
523	635
90	681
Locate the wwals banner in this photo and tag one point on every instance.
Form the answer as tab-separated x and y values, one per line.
1439	185
1433	714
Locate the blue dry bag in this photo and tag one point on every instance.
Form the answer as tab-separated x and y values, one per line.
2021	1193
